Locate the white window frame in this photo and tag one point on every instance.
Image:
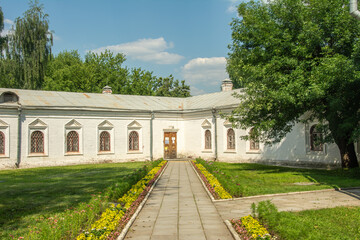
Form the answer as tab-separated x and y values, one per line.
206	125
308	141
5	129
73	125
106	126
253	151
38	125
227	126
134	126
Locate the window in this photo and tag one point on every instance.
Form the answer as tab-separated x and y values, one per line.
2	143
9	97
315	139
72	142
207	139
37	142
104	141
230	139
133	141
254	144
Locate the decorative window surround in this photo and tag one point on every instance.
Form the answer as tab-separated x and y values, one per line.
308	142
253	147
134	126
206	136
4	129
75	126
42	127
108	127
229	147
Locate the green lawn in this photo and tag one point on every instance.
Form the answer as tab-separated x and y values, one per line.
245	179
331	223
27	194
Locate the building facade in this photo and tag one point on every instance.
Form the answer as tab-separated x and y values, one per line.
44	128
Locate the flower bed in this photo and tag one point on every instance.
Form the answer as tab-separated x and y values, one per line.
114	218
249	228
211	182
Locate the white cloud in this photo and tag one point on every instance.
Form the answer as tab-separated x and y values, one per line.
8	21
148	50
7	29
233	6
205	71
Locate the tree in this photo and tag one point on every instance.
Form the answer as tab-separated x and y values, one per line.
29	47
2	38
299	60
67	72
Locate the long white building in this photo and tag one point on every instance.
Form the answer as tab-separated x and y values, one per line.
47	128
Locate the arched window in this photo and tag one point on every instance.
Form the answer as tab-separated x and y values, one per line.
133	141
104	141
254	145
2	143
207	139
315	139
72	142
230	139
37	142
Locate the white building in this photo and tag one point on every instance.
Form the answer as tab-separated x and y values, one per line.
46	128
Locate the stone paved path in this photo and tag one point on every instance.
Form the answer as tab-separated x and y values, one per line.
179	208
291	202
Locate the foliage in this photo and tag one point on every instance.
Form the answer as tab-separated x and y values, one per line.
68	72
112	216
212	183
33	197
28	63
312	224
298	61
2	38
28	48
249	179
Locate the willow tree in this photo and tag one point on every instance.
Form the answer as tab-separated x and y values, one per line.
2	38
29	47
299	60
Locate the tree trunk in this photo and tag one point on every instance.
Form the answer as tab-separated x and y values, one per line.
348	154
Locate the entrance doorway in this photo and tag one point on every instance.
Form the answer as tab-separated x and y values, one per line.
170	145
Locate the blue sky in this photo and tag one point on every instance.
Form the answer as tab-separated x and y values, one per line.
186	38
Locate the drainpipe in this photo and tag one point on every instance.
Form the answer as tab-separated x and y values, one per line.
215	125
354	9
17	164
151	135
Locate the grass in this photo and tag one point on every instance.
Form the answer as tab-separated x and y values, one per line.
29	194
246	179
331	223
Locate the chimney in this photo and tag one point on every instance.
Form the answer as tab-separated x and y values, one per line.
226	85
107	90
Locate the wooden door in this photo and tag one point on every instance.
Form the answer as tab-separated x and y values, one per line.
170	145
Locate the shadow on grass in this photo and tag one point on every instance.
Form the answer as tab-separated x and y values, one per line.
29	193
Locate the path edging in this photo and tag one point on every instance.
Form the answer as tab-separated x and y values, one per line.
132	219
266	195
202	182
232	230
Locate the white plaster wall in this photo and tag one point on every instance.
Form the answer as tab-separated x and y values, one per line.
190	139
159	124
10	117
89	138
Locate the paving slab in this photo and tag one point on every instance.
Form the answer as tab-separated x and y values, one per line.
291	202
179	208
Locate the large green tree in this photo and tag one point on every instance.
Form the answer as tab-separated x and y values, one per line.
2	38
68	72
29	48
299	61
